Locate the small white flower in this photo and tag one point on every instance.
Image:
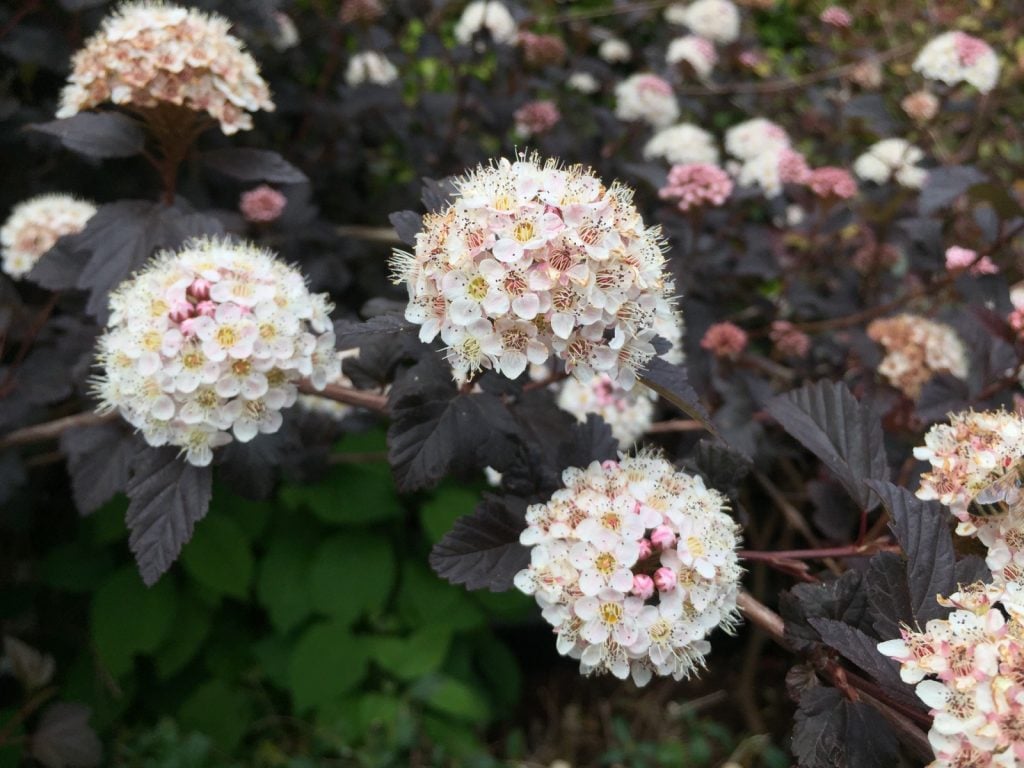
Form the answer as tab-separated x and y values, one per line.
490	16
370	67
892	158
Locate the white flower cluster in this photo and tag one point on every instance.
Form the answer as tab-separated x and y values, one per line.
646	97
976	464
714	20
583	82
968	670
628	413
758	146
210	339
614	50
531	261
35	225
633	564
147	54
956	57
695	51
916	349
490	16
370	67
892	158
682	144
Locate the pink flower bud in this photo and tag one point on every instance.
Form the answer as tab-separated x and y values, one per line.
665	579
645	549
206	308
262	204
609	464
643	586
181	311
725	340
187	326
662	537
199	289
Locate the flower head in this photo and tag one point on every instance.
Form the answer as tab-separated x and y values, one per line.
836	16
789	340
725	340
920	106
682	144
696	51
956	57
715	20
488	16
916	350
959	259
537	117
696	184
754	137
614	50
370	67
832	182
262	204
146	54
648	98
633	564
542	50
209	339
532	261
892	158
34	227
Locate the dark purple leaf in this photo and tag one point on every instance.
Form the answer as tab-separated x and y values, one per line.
972	569
352	334
670	382
843	599
437	193
818	729
922	528
844	433
859	648
721	466
247	164
407	225
167	497
888	594
97	134
870	740
482	550
946	184
64	739
60	268
99	462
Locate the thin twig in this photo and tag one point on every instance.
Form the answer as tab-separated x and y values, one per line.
373	234
370	400
851	550
51	430
675	425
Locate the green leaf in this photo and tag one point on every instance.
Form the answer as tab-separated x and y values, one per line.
219	710
283	583
219	558
252	517
108	523
414	656
426	599
75	567
453	698
449	503
191	627
353	494
327	662
499	669
351	574
128	618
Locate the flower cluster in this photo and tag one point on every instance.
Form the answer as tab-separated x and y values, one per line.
968	669
682	144
628	413
836	16
537	117
916	349
614	50
831	182
789	341
958	259
764	154
696	184
488	16
583	82
646	97
531	261
262	204
542	50
892	158
211	339
370	67
695	51
714	20
633	564
148	54
956	57
725	340
35	225
920	106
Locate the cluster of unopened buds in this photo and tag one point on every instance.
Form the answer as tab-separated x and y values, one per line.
695	185
968	669
633	564
147	54
531	261
210	339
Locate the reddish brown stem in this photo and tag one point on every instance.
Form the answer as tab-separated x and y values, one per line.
850	550
51	430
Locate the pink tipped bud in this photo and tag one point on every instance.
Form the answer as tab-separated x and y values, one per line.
662	537
200	289
188	326
665	579
181	311
206	308
643	586
645	549
609	464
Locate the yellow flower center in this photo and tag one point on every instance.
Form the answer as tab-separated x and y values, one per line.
477	289
611	613
227	336
605	563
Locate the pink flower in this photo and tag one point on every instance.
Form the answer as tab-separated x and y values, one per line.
958	259
793	168
724	340
751	58
537	117
970	49
541	50
643	586
836	16
262	204
789	341
696	184
832	182
921	106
